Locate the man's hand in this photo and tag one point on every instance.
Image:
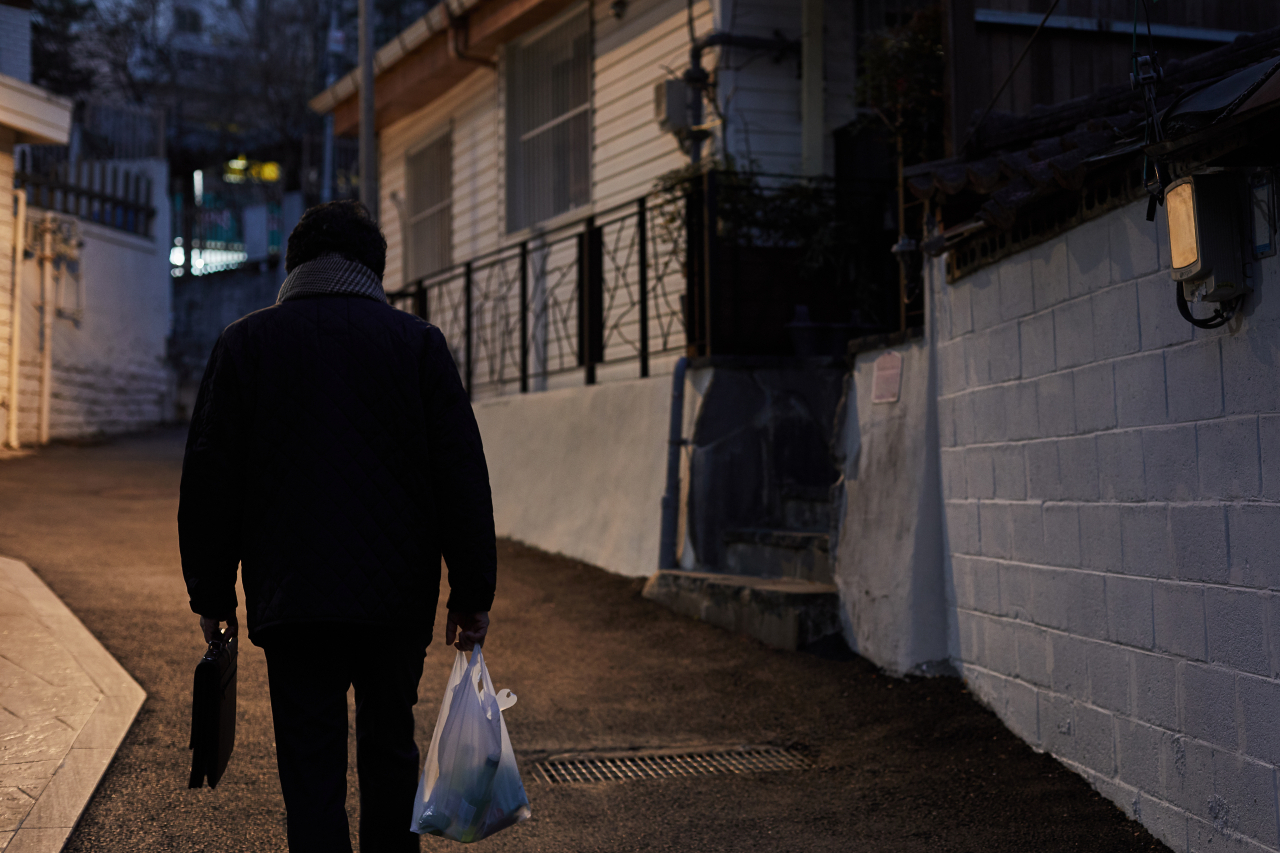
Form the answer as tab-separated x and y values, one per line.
470	629
210	628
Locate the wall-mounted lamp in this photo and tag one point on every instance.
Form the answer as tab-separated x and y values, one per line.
1206	244
1262	209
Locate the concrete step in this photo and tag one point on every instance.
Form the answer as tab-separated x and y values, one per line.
765	553
780	612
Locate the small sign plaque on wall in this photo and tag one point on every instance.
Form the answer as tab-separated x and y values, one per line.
887	380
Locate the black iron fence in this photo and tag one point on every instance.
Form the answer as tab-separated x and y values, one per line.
602	290
96	191
717	264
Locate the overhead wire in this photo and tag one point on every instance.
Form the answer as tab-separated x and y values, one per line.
1151	50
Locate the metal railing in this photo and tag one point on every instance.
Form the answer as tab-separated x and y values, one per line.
95	191
604	289
713	265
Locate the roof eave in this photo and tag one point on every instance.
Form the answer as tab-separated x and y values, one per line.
408	40
37	115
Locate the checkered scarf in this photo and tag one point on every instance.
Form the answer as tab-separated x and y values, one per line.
332	273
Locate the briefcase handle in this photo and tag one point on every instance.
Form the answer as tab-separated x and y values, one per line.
218	646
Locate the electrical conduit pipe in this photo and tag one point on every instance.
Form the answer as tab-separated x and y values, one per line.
46	322
15	315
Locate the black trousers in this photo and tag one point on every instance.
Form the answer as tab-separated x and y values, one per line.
309	681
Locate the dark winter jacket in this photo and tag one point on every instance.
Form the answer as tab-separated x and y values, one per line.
334	455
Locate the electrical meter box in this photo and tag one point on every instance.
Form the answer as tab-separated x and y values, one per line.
1205	243
671	105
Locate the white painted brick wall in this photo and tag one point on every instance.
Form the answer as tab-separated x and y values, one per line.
1111	478
109	369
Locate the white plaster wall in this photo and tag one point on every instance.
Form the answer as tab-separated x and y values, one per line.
581	471
888	556
1112	493
109	370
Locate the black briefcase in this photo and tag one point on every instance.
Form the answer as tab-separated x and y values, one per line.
213	713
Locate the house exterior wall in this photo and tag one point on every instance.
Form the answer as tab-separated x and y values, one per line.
629	149
109	369
761	96
1112	505
470	111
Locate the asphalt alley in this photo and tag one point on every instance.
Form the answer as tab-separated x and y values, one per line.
911	765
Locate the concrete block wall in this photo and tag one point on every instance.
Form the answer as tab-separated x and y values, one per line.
1111	481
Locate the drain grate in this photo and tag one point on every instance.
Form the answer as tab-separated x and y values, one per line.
559	771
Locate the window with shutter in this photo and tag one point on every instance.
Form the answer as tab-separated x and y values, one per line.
549	123
430	194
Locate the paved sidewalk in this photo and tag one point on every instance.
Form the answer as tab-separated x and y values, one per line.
65	706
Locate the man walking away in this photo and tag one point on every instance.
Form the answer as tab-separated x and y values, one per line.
334	456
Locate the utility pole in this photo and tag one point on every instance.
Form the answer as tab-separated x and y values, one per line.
368	150
333	45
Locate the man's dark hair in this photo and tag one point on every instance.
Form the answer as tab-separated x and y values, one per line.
341	227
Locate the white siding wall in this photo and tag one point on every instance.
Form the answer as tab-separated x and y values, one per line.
648	44
629	152
761	100
471	110
1112	486
761	97
633	54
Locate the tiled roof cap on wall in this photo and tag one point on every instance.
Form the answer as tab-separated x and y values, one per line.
1028	178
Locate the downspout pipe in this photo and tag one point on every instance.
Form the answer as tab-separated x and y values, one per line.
667	558
15	315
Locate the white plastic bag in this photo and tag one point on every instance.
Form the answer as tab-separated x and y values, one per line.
470	787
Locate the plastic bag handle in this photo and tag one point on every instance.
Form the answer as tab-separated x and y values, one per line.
476	670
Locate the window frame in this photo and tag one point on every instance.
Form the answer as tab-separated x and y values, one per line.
512	137
413	269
